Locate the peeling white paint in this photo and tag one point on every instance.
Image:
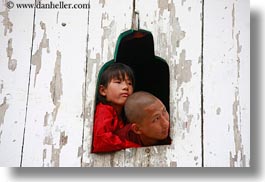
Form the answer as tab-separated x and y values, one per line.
37	57
183	69
6	21
224	99
3	109
12	63
239	149
1	86
56	85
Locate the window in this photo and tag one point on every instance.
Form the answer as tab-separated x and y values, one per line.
136	49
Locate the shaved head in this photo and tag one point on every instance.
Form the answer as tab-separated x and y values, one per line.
135	105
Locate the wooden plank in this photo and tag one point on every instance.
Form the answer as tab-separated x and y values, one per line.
16	29
54	123
226	84
107	20
177	39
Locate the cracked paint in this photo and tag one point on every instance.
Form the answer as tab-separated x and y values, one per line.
91	75
182	2
80	151
186	105
1	87
239	157
233	20
3	108
55	160
90	64
12	63
173	163
6	21
163	5
183	70
102	2
175	33
44	155
55	151
187	124
46	119
37	57
56	85
109	29
239	48
48	140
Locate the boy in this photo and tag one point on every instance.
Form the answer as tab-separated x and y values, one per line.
149	120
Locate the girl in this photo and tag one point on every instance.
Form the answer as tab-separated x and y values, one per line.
115	85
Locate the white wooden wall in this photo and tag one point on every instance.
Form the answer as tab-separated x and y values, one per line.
50	58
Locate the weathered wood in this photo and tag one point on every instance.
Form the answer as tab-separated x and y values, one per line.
50	59
178	41
226	84
107	19
15	46
54	123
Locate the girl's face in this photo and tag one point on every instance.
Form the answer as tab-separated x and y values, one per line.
117	91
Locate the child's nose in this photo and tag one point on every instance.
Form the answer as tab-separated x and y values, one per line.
125	85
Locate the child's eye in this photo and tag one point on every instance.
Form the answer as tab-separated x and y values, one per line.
117	81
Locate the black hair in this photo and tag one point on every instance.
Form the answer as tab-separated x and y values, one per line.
114	71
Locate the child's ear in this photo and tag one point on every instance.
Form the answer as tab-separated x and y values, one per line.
102	90
136	129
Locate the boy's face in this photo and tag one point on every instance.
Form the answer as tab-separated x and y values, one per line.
117	91
155	124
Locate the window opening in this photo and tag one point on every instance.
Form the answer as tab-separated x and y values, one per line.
135	48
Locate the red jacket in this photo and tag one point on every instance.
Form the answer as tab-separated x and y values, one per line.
127	133
106	123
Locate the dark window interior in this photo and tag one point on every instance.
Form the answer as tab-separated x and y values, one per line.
136	49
